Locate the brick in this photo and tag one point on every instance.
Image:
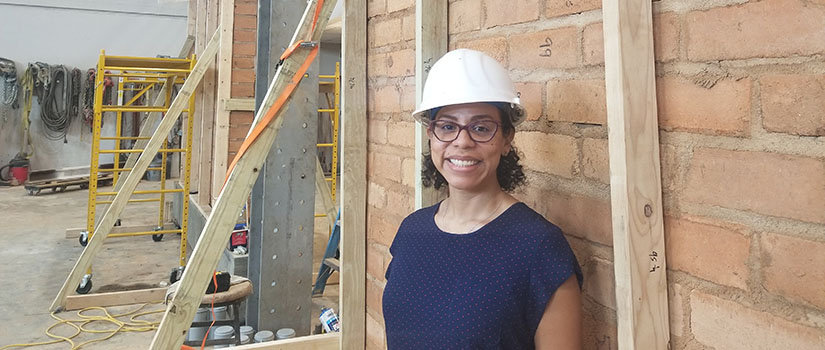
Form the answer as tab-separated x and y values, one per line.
791	274
385	31
377	131
465	15
374	298
379	228
724	109
377	65
724	324
375	262
670	165
666	31
387	99
577	101
408	98
770	28
595	160
238	118
242	8
376	196
399	203
593	44
408	174
401	63
498	13
579	216
408	27
376	7
242	90
676	309
243	75
554	48
599	331
245	21
600	283
548	153
495	47
386	166
710	251
402	134
793	104
242	49
399	5
376	338
767	183
556	8
243	62
238	132
240	35
532	98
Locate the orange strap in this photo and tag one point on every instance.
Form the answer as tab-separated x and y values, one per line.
317	13
276	106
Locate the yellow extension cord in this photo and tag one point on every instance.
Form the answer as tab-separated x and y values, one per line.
132	325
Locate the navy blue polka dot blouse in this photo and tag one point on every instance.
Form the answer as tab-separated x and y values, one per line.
487	289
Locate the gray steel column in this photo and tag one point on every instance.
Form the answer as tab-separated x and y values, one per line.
283	198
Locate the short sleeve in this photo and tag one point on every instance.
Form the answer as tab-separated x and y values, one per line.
551	265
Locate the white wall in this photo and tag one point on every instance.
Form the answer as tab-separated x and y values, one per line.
72	33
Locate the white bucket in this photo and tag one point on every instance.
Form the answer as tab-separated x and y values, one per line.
264	336
197	333
224	332
285	333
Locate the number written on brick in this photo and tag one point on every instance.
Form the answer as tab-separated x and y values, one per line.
546	48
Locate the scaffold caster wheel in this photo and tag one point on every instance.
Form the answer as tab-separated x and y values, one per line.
157	237
84	186
83	239
84	288
176	274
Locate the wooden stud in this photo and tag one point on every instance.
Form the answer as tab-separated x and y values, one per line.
220	151
142	296
207	108
200	41
430	44
121	199
226	209
239	104
354	172
635	180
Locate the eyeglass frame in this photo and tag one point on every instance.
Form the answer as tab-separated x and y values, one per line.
431	128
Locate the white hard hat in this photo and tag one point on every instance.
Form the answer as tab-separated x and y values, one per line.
468	76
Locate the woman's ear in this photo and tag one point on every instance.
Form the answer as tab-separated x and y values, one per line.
508	143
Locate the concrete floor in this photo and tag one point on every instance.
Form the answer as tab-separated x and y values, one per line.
37	257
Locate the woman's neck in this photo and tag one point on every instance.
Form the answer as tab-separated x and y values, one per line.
464	212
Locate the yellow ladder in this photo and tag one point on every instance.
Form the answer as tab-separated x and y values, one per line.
334	112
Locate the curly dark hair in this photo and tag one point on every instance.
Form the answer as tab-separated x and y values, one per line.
509	173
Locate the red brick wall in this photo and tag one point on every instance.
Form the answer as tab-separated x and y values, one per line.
243	70
740	91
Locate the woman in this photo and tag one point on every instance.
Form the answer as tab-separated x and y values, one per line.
480	269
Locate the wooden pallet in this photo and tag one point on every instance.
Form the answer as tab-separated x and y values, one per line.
60	185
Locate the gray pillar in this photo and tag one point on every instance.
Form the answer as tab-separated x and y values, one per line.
283	198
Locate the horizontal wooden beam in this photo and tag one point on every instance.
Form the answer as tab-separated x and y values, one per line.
141	296
312	342
239	104
75	232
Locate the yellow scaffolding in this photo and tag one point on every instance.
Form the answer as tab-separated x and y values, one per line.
140	75
334	111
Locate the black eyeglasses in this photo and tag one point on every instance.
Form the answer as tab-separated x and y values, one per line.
480	131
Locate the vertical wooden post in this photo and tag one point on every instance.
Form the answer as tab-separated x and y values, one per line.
635	180
208	110
430	44
354	172
220	151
